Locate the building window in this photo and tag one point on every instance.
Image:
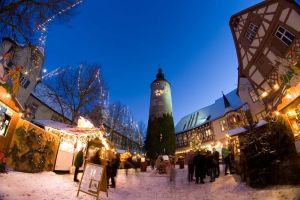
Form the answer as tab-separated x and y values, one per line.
251	32
222	125
24	82
284	35
253	96
261	115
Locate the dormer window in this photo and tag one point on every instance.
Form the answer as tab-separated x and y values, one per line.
251	32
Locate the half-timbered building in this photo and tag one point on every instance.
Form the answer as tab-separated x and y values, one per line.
267	42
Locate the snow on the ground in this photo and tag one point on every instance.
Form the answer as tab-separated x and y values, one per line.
137	185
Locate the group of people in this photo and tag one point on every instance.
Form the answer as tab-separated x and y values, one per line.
205	163
111	165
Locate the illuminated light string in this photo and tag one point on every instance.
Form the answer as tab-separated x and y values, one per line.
43	27
43	37
71	137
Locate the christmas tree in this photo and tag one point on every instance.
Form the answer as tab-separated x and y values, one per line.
195	142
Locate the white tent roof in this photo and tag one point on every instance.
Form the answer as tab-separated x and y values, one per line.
65	127
242	129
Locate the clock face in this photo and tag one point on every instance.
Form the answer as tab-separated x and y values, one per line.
159	89
158	92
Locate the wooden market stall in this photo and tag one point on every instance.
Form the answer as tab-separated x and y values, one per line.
10	113
73	138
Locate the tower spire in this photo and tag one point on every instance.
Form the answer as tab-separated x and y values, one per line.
160	75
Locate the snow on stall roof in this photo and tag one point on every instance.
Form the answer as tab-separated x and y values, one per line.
52	124
239	130
209	113
41	92
236	131
65	127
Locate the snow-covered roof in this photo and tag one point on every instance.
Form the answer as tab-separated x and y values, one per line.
65	127
242	129
236	131
52	124
43	93
208	113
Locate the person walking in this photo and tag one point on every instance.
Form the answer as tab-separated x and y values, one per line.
96	158
226	158
199	163
108	172
210	166
172	172
78	163
128	164
216	156
191	169
115	166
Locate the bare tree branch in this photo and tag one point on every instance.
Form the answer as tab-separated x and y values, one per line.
22	19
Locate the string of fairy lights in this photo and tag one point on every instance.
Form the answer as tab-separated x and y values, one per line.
43	28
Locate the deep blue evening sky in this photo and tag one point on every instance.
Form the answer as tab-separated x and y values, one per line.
190	39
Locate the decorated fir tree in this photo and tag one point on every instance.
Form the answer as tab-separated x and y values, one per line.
195	142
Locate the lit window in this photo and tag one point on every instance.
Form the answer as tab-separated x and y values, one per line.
234	120
261	115
251	32
253	96
284	35
222	125
24	82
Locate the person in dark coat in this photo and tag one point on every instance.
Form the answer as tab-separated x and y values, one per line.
191	169
108	171
96	158
216	156
78	163
115	166
199	163
210	166
128	164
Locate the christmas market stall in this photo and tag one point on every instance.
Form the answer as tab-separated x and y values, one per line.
289	109
32	149
20	70
74	138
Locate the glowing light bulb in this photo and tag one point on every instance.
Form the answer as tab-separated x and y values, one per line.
289	96
264	94
276	86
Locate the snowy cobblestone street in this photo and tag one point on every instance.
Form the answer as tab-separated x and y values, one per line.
144	186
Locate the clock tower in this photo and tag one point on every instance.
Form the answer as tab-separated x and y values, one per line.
160	139
160	100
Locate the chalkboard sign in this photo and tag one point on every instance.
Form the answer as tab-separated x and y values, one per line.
93	180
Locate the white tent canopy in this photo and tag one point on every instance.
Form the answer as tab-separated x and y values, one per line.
240	130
